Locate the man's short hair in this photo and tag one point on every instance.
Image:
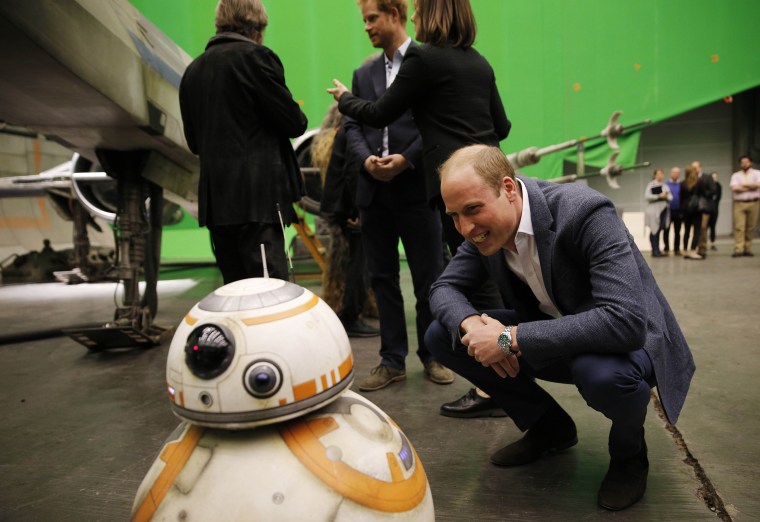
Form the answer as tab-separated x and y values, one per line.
488	162
246	17
385	6
745	156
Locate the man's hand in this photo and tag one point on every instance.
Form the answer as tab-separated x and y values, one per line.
337	91
387	168
480	339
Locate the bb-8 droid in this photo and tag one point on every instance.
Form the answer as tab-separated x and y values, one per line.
268	354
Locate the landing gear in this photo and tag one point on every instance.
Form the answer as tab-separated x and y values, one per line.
137	230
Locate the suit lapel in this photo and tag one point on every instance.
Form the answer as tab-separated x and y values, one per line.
543	232
378	76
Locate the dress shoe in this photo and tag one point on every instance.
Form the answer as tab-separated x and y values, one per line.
471	405
380	377
438	373
625	481
737	254
677	253
749	254
554	431
358	328
713	248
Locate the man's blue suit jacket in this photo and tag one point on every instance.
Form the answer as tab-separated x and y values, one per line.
596	277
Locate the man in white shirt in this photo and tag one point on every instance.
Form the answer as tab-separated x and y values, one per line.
745	187
586	311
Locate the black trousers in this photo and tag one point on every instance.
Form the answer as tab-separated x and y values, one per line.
691	222
675	223
384	222
616	385
355	275
238	250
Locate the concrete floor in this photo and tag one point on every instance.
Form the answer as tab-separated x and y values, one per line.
79	430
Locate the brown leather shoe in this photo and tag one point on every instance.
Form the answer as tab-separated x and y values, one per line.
438	373
380	377
555	431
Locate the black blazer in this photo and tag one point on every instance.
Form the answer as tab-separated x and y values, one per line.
339	192
238	116
454	99
403	138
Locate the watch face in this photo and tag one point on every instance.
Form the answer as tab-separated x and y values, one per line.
503	340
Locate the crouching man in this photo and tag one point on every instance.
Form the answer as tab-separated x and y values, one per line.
586	310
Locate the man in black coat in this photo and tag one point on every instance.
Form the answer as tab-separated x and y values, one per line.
393	204
238	116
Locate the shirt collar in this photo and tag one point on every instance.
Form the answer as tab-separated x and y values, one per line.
400	52
526	221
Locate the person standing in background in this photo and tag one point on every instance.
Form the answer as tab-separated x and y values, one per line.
674	184
692	216
658	195
706	191
238	116
392	202
745	186
345	281
715	207
451	90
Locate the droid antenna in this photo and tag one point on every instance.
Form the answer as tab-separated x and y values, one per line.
287	250
264	261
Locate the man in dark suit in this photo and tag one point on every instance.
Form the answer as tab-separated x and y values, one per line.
238	116
586	311
390	195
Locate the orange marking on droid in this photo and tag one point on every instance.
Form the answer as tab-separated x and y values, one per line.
175	455
302	437
253	321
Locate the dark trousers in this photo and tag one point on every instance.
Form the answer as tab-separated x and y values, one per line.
616	385
418	227
675	224
691	221
355	290
237	249
711	224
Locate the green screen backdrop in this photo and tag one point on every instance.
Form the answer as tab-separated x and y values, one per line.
562	66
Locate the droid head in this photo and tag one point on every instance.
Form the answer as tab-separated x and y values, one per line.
255	352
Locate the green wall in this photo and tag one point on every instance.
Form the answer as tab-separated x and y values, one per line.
562	66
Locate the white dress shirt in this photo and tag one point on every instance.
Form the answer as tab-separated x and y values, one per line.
391	70
525	264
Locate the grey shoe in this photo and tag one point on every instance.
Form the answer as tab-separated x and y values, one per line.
380	377
438	373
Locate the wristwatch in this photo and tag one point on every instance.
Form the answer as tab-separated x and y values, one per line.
505	341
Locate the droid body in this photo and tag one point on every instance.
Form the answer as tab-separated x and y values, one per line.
258	371
345	462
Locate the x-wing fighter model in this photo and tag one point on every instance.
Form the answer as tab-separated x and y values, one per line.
99	78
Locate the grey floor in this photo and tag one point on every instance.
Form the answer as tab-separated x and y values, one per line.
79	430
